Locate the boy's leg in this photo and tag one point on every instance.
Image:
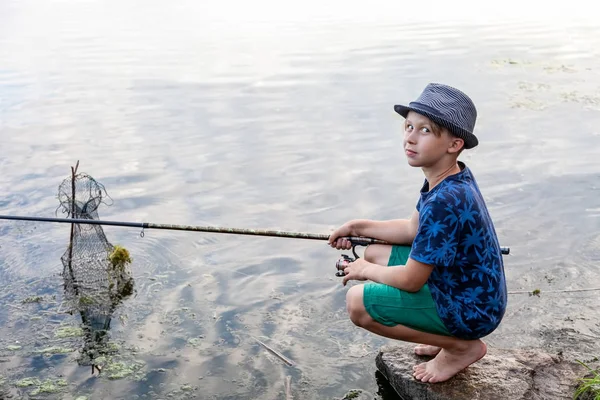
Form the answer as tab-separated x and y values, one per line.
378	253
384	254
427	350
456	354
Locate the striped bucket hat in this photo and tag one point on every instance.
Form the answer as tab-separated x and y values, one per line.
447	107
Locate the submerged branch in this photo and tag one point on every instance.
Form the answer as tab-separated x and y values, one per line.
283	358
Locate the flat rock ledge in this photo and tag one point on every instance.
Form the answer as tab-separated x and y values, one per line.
501	374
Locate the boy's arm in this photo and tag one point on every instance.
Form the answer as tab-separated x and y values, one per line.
430	247
397	231
410	277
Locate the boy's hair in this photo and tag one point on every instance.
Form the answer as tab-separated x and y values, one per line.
437	130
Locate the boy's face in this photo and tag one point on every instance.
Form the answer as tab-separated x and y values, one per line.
425	143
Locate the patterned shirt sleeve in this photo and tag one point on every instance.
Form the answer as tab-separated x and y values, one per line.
438	233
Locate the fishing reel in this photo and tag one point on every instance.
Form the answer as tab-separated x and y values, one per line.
344	260
341	263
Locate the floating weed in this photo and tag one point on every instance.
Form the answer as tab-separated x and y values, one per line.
112	369
55	350
352	394
86	301
509	61
570	96
528	104
561	68
13	347
536	292
119	257
68	332
49	386
114	347
32	299
26	382
183	392
575	97
121	370
195	342
533	87
187	388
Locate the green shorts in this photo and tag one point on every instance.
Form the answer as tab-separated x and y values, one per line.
391	306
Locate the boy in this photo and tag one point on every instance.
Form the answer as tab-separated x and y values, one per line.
448	288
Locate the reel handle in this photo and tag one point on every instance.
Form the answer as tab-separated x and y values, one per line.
345	259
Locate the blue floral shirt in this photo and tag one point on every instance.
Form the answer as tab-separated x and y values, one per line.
456	235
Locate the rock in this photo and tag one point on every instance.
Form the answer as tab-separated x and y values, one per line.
501	374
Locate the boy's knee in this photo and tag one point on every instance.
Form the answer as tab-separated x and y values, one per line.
377	253
355	306
369	253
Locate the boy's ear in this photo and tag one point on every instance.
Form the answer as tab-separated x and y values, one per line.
456	145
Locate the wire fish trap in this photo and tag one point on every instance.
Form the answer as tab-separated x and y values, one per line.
96	274
91	264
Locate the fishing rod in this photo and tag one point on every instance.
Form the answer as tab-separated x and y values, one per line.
354	240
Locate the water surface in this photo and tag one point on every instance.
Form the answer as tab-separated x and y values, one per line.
270	117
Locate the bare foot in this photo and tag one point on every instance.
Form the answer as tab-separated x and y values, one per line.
426	350
449	362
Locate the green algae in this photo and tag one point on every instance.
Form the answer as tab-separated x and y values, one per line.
55	350
68	332
46	386
26	382
32	299
120	370
112	369
119	257
187	388
49	386
194	342
86	301
352	394
113	347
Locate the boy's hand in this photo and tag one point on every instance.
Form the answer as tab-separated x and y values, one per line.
336	238
357	270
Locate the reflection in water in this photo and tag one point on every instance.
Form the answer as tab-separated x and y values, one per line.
96	276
